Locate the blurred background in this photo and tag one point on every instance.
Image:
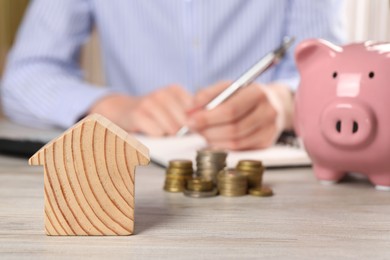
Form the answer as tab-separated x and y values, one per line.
364	19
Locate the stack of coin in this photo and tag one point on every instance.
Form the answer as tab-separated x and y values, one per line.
232	183
200	188
199	184
253	170
209	162
177	174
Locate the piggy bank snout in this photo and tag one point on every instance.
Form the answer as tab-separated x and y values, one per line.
347	124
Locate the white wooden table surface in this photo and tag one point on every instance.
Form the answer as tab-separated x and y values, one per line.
304	220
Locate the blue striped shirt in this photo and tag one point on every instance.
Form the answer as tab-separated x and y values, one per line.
149	44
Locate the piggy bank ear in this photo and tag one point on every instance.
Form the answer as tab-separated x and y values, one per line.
310	51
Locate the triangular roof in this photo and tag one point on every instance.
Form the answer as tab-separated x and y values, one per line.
116	130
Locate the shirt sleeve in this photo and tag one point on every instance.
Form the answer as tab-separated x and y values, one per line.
307	19
43	83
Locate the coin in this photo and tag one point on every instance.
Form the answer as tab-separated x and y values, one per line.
177	171
214	152
232	183
180	164
199	184
250	163
253	170
209	162
261	191
170	188
201	194
177	174
254	178
249	169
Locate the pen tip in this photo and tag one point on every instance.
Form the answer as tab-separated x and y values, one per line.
288	40
183	131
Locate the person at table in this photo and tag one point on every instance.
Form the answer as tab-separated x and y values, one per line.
161	60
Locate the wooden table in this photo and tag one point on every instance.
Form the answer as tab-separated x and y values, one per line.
303	220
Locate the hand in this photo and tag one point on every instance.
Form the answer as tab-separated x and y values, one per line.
158	114
247	120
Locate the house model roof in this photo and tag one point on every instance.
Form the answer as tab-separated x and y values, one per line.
142	150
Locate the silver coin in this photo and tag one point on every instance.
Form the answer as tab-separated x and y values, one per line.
201	160
212	151
211	166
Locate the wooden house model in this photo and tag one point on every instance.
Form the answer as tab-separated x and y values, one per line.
89	179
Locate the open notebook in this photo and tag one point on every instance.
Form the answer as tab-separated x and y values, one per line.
23	141
162	150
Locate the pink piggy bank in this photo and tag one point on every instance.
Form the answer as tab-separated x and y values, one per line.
343	109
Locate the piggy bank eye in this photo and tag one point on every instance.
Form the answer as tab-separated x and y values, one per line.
334	75
371	74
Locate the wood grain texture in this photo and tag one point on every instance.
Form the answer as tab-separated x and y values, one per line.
89	179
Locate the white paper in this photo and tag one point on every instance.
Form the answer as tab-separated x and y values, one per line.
162	150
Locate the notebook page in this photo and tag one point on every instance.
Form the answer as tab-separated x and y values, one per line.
162	150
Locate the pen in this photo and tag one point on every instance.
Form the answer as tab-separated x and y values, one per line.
247	78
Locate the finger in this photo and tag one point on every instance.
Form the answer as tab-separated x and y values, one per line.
257	118
231	110
177	102
185	98
153	108
259	139
172	102
145	125
165	107
205	95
